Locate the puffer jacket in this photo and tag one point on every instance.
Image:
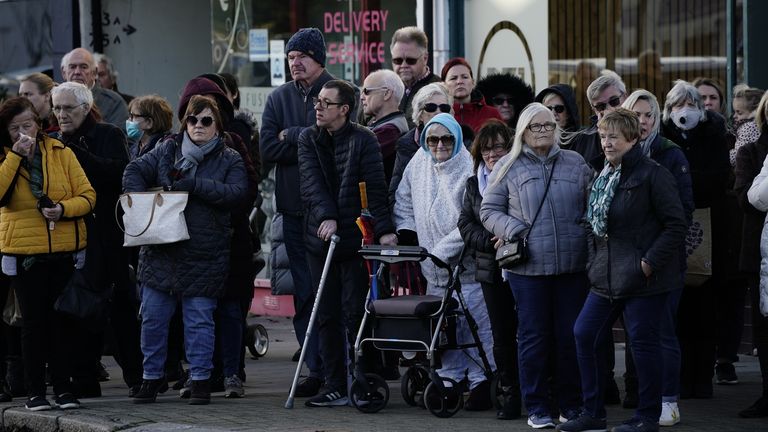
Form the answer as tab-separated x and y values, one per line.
407	146
331	168
557	241
646	221
23	229
199	266
474	113
758	197
477	239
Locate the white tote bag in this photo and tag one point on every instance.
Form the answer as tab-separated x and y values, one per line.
154	217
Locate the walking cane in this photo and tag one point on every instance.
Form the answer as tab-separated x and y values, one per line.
334	240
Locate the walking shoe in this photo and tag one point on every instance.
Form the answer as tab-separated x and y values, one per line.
479	398
66	401
308	387
186	389
149	389
511	408
757	410
569	414
233	387
328	399
637	424
200	393
37	403
540	421
135	389
726	374
670	414
583	423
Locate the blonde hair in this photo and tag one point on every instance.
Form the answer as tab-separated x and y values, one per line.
647	96
761	119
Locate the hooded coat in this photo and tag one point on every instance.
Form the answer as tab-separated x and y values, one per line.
519	90
569	99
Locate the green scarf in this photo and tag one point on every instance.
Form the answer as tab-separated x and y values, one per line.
600	198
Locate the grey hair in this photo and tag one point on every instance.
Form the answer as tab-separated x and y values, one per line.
390	80
101	58
410	34
67	56
81	93
525	119
647	96
426	92
680	93
607	78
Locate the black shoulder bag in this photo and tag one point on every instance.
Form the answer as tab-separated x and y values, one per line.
513	253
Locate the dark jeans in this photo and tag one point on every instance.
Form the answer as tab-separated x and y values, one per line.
547	307
230	319
46	335
642	317
304	295
759	328
503	317
339	313
729	298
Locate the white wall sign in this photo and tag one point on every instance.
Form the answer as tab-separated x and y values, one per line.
277	62
257	45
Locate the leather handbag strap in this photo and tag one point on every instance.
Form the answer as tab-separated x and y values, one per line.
541	204
157	200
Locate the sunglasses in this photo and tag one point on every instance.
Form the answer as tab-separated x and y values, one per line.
500	100
613	102
447	140
369	90
558	108
410	60
432	107
205	121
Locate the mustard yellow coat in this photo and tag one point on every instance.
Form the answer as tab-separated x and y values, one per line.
23	229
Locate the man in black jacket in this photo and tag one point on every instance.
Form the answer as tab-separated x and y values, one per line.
336	155
409	60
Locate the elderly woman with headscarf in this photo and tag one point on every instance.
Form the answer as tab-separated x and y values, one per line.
538	195
429	201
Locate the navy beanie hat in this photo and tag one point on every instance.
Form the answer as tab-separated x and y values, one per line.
309	41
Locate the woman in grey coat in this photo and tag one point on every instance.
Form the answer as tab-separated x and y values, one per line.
550	287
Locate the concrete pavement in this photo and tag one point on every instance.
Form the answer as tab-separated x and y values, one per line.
267	387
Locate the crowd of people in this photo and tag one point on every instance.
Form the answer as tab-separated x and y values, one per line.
651	216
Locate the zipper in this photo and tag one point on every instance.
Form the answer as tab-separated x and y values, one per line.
44	161
554	221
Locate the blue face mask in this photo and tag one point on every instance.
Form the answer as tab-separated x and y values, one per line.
132	130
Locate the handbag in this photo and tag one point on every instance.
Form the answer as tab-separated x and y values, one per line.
81	299
515	252
155	217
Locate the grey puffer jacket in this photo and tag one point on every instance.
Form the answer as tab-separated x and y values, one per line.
199	266
557	243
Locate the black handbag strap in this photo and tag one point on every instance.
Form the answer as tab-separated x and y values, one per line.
541	204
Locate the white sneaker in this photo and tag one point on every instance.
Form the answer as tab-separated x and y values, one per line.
670	414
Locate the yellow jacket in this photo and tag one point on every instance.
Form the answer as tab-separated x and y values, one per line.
23	229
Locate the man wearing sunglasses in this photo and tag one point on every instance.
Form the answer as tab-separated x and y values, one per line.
380	98
335	155
409	60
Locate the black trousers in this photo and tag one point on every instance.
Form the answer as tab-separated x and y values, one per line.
697	333
503	317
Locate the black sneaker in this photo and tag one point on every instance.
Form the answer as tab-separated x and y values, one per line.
637	424
149	389
66	401
726	374
200	393
328	399
308	387
757	410
583	423
37	403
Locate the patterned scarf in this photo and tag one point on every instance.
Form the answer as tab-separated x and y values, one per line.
600	198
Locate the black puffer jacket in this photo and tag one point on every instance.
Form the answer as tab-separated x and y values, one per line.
331	167
199	266
646	221
407	146
476	238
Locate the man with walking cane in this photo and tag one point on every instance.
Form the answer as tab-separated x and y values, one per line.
336	155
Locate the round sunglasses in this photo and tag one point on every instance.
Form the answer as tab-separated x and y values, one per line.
205	121
432	107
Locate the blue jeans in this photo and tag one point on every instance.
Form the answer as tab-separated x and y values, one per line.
157	308
642	318
304	295
229	335
547	307
670	349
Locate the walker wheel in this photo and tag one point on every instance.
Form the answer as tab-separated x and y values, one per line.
446	402
373	399
257	340
412	385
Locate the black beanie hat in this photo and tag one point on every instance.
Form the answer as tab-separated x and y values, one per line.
309	41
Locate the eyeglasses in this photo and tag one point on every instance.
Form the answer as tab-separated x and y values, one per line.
557	108
369	90
205	121
432	107
324	104
498	100
447	140
65	108
133	116
613	102
538	127
410	60
496	148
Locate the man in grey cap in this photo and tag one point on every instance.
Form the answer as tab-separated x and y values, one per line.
288	111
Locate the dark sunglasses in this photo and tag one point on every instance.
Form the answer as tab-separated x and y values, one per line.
206	121
613	102
410	60
448	140
369	90
432	107
498	100
558	108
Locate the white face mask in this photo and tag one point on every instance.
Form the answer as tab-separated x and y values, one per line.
686	118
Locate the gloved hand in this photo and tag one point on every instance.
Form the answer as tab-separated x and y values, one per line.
186	185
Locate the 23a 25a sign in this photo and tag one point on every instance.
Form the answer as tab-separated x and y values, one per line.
113	28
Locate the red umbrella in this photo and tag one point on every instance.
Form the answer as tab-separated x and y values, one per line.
365	223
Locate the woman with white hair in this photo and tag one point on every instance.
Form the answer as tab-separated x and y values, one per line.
701	135
539	197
